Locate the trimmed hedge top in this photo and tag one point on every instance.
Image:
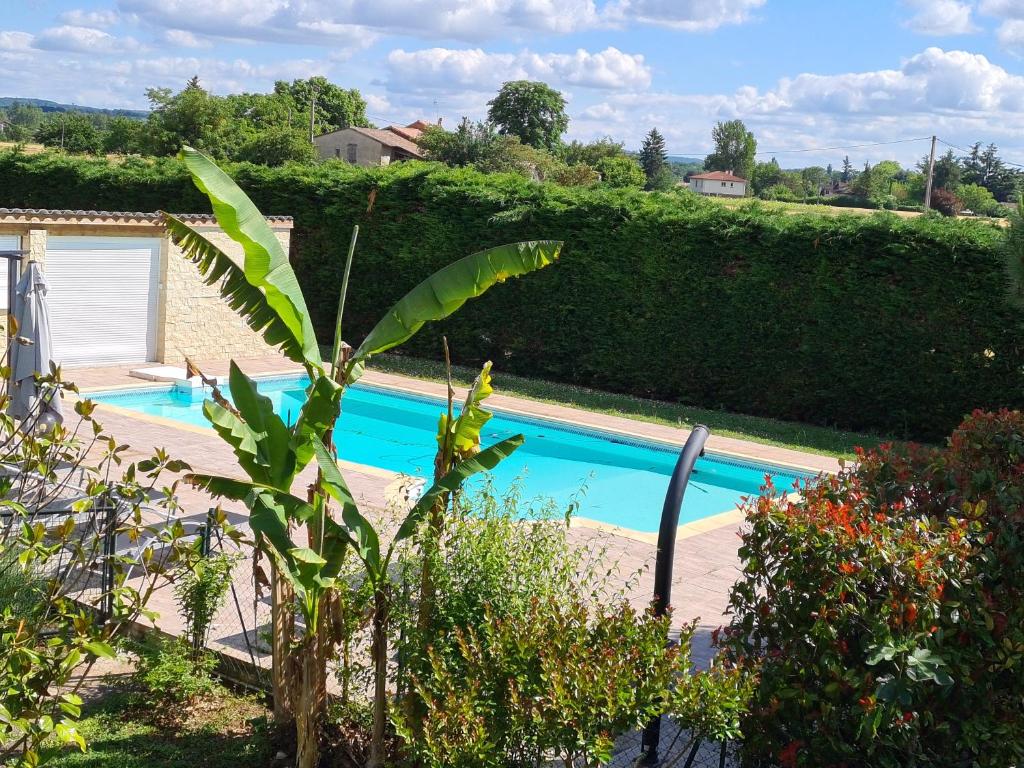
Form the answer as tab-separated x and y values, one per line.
866	322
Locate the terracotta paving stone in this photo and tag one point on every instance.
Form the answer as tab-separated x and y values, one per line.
706	563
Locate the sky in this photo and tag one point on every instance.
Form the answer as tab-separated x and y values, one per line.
802	74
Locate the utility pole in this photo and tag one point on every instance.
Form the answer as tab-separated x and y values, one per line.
312	113
931	178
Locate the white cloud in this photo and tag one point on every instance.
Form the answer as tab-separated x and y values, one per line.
182	39
686	15
960	96
122	81
1007	9
471	20
15	41
275	21
95	18
941	17
1011	34
357	23
82	40
449	69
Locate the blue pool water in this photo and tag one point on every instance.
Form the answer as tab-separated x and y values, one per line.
625	479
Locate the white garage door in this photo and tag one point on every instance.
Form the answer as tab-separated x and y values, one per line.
103	298
7	243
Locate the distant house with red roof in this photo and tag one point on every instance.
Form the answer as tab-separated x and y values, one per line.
372	146
719	184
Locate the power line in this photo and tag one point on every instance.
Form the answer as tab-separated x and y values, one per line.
815	149
968	151
848	146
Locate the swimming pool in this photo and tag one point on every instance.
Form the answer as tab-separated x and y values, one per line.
625	478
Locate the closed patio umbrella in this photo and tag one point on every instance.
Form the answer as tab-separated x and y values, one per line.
29	359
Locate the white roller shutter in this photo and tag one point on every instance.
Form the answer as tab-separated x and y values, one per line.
7	243
103	298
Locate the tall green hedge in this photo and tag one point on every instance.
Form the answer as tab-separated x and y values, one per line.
863	322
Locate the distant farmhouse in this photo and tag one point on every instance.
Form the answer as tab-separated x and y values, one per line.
719	184
373	146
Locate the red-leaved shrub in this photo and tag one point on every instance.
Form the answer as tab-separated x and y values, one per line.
886	609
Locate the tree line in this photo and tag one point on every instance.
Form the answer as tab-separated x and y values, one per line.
265	128
523	133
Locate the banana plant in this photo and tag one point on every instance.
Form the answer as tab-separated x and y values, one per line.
458	439
271	454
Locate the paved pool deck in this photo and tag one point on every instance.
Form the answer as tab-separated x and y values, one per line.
706	563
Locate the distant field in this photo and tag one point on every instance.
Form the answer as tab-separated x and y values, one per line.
825	210
31	149
831	210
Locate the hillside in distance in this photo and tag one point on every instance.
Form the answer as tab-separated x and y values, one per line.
55	106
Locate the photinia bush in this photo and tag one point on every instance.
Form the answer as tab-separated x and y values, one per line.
885	608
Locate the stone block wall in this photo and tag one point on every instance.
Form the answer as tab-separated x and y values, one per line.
193	320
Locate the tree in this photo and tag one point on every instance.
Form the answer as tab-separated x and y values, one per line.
576	152
124	136
468	144
814	178
947	170
507	154
533	112
977	199
890	170
873	183
335	107
735	148
193	117
765	176
653	159
621	172
22	121
70	131
277	146
847	173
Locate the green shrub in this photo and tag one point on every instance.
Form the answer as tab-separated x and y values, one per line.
885	610
22	590
868	322
170	673
978	200
533	650
498	554
778	192
621	171
501	550
200	591
563	680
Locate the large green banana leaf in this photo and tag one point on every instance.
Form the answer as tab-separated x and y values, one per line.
318	414
448	289
460	437
272	436
271	512
264	290
364	536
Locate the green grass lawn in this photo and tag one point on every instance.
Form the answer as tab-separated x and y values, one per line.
229	732
788	434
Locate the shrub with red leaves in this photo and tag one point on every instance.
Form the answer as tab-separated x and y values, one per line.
946	202
886	609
